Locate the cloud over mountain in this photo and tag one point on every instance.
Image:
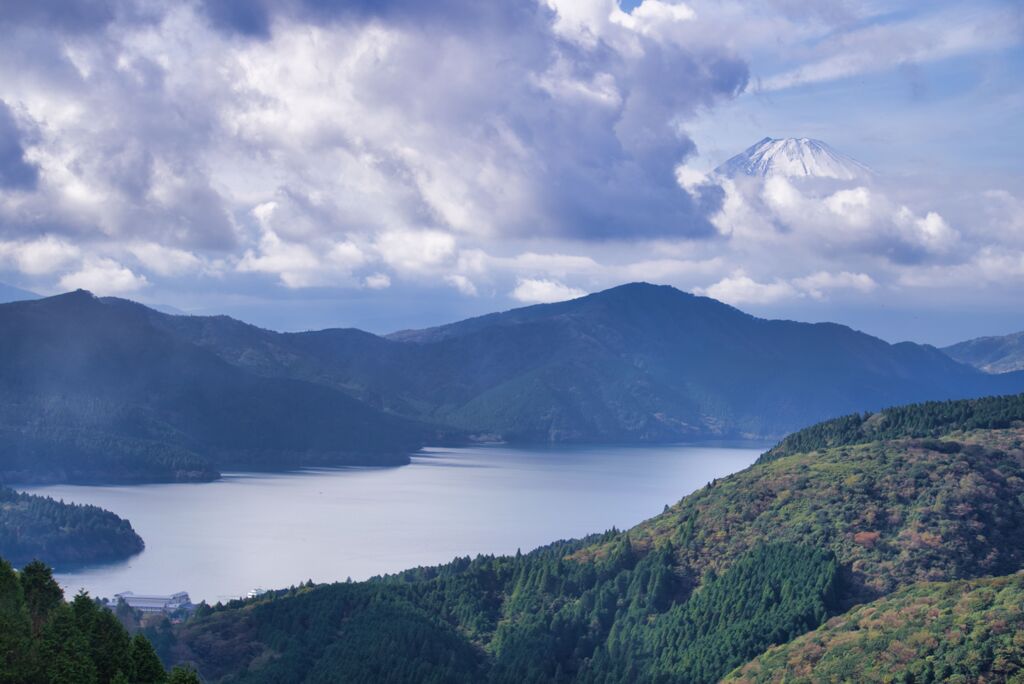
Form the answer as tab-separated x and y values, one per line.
305	140
309	149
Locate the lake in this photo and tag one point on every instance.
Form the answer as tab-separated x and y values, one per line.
220	539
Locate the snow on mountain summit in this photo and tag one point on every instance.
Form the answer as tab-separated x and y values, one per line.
794	158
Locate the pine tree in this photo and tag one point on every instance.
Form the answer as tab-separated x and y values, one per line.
183	675
14	627
146	666
64	650
110	646
42	593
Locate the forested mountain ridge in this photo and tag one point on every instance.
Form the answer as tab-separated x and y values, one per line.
107	390
752	560
93	392
634	363
1001	354
61	534
929	419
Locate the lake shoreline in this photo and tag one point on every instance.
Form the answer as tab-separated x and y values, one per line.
256	529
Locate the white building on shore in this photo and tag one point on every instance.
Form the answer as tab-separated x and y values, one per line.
152	603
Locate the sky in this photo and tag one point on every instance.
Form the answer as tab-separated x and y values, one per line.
391	164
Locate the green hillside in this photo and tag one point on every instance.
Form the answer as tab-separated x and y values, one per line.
930	419
750	561
61	534
966	631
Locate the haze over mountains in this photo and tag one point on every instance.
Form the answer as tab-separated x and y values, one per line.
107	389
1000	354
9	293
91	391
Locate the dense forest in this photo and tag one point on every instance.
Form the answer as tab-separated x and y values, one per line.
45	640
61	534
539	617
929	419
93	392
750	561
966	631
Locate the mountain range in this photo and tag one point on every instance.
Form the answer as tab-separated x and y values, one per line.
794	158
91	391
1003	354
106	389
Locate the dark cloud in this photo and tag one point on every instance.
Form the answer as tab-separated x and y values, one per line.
15	172
68	15
238	16
254	18
76	16
455	117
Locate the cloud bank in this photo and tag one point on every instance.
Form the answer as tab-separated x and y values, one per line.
524	151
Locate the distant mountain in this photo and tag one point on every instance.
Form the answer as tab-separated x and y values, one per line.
108	390
9	293
635	363
794	158
92	391
991	354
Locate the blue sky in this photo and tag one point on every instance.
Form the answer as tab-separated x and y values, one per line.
315	163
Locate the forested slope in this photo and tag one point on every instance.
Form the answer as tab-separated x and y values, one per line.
637	362
930	419
750	561
966	631
45	639
61	534
93	392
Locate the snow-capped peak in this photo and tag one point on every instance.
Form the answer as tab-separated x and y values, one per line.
794	158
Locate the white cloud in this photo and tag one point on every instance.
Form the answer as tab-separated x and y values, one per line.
301	265
500	152
741	289
462	284
165	261
415	251
377	281
817	285
780	213
881	45
930	231
543	291
42	256
103	277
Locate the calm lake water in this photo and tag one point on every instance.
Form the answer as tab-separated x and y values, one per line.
219	540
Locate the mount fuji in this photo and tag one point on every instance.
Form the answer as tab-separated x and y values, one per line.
794	158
